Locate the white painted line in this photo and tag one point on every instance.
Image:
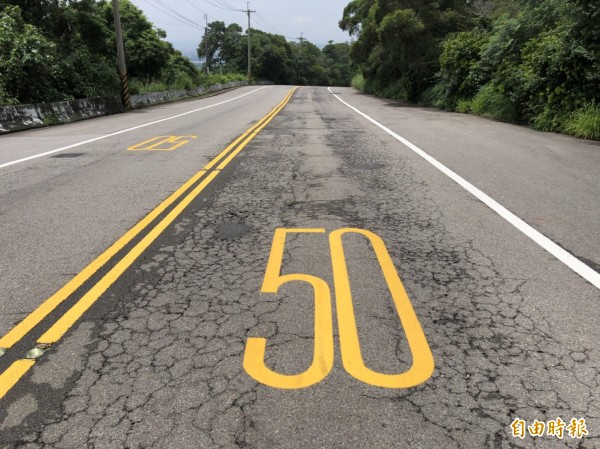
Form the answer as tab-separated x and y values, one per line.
564	256
25	159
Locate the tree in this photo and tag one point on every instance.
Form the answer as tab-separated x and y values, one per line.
225	47
28	63
337	64
398	45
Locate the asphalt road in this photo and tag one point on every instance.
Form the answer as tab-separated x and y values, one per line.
320	285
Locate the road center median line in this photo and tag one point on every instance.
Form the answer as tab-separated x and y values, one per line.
53	334
62	325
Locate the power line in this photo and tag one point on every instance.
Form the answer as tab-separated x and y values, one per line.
267	24
222	5
195	7
223	2
177	17
178	14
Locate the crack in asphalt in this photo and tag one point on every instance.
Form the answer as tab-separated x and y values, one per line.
163	367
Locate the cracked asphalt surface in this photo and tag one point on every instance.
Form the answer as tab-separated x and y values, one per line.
157	362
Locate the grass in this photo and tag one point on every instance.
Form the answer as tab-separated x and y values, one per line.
463	106
490	103
584	122
138	86
220	78
358	82
435	96
394	90
548	120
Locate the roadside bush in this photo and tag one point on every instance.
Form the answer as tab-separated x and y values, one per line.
395	90
435	96
182	82
490	103
549	120
358	82
137	86
460	72
5	99
584	122
463	106
220	78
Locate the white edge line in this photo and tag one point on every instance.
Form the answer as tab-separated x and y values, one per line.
25	159
564	256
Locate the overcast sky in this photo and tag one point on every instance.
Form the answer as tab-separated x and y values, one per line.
317	19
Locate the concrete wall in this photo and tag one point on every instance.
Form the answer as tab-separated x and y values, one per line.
143	100
28	116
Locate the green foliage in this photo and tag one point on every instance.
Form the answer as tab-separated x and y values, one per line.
28	62
533	61
337	63
274	58
549	120
398	42
54	50
221	78
138	86
435	96
358	82
584	122
492	104
463	106
460	73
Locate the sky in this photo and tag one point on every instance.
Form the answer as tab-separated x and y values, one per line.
316	19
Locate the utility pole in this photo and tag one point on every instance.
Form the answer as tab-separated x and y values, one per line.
121	56
301	39
206	44
249	11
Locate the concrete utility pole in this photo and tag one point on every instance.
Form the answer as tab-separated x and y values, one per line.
206	44
301	39
121	56
248	11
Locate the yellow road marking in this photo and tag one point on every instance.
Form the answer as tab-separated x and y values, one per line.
174	141
423	364
251	136
13	374
323	358
53	334
59	328
322	363
33	319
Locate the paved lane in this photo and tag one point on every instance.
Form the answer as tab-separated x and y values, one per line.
60	211
549	180
162	359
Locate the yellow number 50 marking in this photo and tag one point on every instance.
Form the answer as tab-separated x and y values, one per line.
254	357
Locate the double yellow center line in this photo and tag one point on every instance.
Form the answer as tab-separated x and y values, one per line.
12	374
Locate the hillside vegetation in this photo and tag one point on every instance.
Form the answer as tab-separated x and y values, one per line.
53	50
276	59
525	61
